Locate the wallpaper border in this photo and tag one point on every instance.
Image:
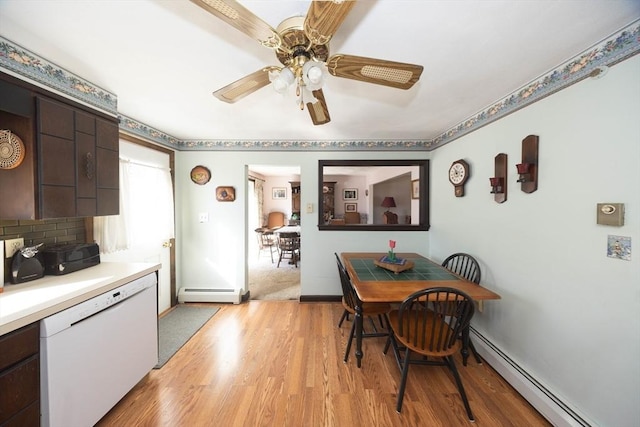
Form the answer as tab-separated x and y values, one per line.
615	48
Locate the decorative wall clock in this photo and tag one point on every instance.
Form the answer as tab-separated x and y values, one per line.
200	175
458	175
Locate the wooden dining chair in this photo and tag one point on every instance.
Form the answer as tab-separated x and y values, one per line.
369	310
266	242
466	266
430	330
289	247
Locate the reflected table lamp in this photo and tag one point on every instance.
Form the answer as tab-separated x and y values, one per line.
389	217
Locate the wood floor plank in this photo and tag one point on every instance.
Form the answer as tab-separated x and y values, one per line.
279	363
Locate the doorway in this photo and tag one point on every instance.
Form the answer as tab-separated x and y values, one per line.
150	234
269	190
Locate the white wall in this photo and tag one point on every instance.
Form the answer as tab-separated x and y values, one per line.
213	254
569	314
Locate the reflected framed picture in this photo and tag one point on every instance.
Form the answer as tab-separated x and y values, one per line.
415	189
225	194
351	207
350	194
279	193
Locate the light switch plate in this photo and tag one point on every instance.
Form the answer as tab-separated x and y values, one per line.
12	246
610	214
309	207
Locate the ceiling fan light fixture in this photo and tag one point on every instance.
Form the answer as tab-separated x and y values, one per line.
281	80
313	75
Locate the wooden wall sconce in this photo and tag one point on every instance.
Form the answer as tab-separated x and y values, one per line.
528	169
499	180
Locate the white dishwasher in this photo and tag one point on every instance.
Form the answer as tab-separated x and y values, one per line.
93	353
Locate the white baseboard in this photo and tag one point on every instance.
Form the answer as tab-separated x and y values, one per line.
557	412
209	295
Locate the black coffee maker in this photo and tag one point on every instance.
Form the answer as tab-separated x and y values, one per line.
27	264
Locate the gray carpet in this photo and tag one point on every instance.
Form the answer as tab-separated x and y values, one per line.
178	326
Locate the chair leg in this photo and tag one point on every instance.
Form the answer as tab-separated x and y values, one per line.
403	382
475	352
452	367
351	334
345	315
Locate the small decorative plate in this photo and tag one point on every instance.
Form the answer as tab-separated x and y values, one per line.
200	175
11	150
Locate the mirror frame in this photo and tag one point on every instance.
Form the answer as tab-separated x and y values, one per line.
423	166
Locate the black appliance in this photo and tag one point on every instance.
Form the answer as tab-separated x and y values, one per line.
26	265
66	258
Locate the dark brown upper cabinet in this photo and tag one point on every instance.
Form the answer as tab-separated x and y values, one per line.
70	167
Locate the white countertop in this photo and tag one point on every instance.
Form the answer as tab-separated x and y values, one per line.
32	301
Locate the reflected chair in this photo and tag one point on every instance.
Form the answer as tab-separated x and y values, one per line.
370	310
266	241
427	328
466	266
275	220
390	218
289	247
352	217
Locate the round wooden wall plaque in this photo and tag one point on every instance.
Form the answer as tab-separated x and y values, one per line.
200	175
11	150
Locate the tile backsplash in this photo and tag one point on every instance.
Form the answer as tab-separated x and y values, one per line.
48	231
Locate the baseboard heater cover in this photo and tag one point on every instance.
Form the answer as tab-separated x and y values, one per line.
556	411
209	295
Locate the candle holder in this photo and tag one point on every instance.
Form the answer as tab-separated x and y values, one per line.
523	170
528	169
497	184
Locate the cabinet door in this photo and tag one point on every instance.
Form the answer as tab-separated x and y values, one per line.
107	167
56	160
86	204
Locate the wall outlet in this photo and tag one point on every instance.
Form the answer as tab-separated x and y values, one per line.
203	217
12	246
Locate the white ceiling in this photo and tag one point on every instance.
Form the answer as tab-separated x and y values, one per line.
163	59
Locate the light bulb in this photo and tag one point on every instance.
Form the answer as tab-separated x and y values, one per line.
315	75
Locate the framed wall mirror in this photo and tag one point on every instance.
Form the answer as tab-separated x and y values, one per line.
386	195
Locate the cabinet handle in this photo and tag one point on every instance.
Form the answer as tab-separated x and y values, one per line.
89	166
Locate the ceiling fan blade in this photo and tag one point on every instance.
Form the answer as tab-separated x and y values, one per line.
241	18
243	87
318	110
324	18
377	71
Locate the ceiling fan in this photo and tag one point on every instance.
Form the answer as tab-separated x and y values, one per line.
301	44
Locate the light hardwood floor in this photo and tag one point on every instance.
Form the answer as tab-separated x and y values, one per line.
279	363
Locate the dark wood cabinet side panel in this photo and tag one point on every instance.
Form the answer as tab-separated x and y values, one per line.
58	201
28	417
108	168
107	134
17	198
57	161
18	345
16	100
55	119
23	382
108	202
86	166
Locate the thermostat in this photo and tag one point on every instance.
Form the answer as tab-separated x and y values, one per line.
610	214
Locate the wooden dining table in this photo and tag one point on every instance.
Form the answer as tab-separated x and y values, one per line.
376	284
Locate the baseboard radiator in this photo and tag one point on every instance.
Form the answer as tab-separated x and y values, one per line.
209	295
538	395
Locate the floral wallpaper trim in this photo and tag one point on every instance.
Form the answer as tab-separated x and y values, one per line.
610	51
27	64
